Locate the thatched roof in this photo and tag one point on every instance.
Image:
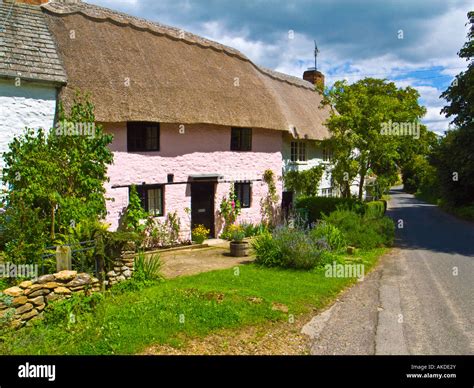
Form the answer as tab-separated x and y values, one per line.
27	49
174	76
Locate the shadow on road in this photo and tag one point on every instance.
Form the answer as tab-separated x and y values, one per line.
425	226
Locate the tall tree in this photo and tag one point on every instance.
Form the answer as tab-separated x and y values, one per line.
453	157
359	144
460	95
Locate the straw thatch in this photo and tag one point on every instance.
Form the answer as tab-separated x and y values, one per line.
137	70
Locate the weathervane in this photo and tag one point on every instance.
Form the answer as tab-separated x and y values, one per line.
316	51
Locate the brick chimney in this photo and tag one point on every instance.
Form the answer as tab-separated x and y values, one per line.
315	77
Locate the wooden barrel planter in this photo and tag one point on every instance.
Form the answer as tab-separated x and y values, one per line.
239	248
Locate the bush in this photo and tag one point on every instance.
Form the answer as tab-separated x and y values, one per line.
252	230
362	231
287	248
200	233
147	267
69	310
375	209
315	207
334	238
161	234
267	252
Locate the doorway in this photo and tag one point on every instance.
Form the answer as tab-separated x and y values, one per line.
202	205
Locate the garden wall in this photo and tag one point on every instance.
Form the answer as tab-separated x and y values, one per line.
30	298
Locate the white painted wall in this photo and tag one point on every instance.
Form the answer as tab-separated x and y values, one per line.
28	105
314	155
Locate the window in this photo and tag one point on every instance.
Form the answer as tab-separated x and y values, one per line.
243	192
327	192
151	198
241	139
298	151
143	136
327	155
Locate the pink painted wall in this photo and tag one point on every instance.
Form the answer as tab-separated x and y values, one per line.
201	149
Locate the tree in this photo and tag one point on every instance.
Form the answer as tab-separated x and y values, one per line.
453	157
360	113
304	182
56	175
460	95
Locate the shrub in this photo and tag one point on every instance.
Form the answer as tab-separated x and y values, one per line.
200	233
266	250
269	208
147	268
70	310
52	180
315	207
230	209
298	250
146	274
304	182
134	214
375	209
7	314
362	231
287	248
159	234
334	238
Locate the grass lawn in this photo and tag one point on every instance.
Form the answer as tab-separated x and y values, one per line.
178	309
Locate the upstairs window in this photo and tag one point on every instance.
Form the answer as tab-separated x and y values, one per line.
143	136
241	139
243	192
151	197
327	155
298	151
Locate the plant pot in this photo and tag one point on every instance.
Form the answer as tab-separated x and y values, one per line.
239	248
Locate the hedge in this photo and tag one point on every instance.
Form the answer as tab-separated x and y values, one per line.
314	207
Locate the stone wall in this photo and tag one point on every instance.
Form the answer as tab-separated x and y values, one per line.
123	269
30	298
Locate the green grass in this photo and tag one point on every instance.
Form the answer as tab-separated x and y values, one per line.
126	323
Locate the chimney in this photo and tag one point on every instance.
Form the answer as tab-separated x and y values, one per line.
315	77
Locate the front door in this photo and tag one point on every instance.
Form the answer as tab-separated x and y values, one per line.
202	205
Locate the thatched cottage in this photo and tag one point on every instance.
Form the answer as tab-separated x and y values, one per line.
189	116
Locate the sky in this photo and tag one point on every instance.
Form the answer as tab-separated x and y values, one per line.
411	42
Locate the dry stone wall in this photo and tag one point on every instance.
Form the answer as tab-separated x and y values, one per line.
28	300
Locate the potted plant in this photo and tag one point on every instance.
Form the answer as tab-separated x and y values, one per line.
238	247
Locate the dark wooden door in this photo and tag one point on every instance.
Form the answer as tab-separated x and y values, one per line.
202	205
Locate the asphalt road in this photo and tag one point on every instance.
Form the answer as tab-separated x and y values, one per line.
419	300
